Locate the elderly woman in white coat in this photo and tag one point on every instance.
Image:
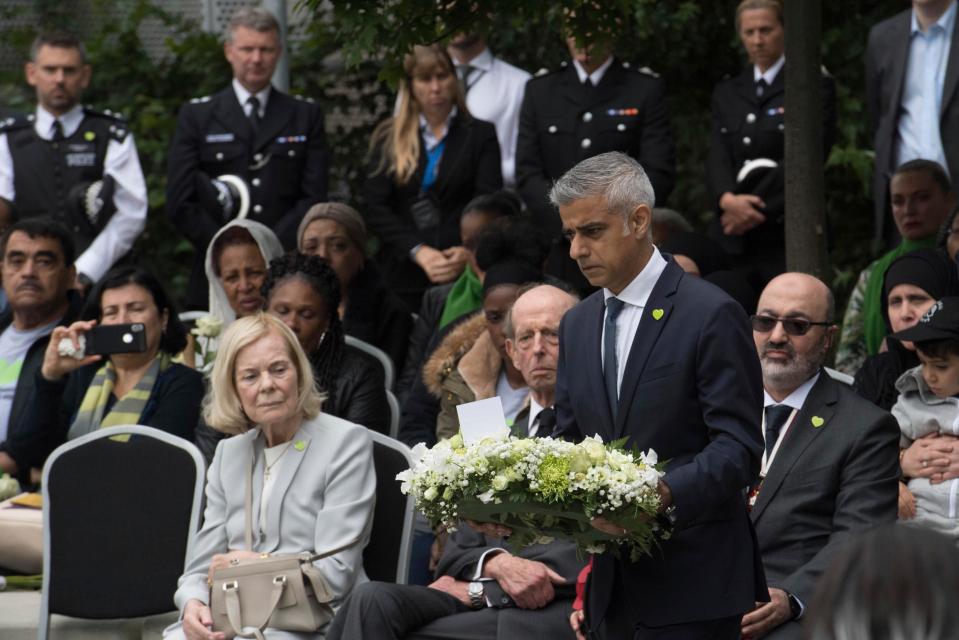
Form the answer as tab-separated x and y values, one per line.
313	480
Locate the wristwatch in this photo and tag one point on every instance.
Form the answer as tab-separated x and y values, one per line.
794	607
477	593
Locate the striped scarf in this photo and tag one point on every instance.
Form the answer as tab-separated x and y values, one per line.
126	410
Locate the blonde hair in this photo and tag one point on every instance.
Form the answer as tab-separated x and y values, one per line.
399	136
222	409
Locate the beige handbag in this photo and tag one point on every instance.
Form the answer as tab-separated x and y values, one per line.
281	592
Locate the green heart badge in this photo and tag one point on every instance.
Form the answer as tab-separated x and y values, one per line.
299	445
658	314
817	422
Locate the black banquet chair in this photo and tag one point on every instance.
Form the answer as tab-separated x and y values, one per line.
387	556
121	507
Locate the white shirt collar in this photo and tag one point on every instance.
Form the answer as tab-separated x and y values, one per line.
534	409
483	61
797	398
637	292
70	121
770	75
428	137
595	76
945	22
242	95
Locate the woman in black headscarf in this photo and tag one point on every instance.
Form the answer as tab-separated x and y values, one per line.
912	284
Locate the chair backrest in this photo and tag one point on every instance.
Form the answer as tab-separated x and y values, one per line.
121	507
839	376
394	413
388	370
387	556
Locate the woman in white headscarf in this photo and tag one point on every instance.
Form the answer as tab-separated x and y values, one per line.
236	264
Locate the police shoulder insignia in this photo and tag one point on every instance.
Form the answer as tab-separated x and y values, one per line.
14	122
200	100
648	72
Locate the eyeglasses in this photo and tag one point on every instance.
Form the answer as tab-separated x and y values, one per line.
792	326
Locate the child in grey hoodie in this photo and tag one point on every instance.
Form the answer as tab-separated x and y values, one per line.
929	403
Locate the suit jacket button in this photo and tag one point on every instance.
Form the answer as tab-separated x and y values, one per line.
257	208
504	600
747	141
552	128
782	126
751	118
258	157
587	116
586	143
255	182
219	156
291	153
621	127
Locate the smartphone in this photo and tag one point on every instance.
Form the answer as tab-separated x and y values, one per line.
106	339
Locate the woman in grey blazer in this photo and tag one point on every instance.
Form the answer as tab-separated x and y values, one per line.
313	478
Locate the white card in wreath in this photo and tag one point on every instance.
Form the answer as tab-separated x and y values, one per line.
482	419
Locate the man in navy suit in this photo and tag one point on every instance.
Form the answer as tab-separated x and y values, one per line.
666	360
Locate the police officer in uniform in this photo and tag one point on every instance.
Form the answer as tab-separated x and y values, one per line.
248	150
70	162
590	106
744	171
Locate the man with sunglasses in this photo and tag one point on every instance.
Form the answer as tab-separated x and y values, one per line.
830	466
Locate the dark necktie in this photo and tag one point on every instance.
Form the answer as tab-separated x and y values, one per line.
545	421
254	103
610	364
587	83
57	131
761	87
776	416
464	71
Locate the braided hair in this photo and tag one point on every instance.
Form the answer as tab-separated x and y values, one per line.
314	271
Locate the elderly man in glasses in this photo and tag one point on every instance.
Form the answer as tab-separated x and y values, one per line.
830	467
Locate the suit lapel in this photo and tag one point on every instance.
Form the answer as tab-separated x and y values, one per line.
594	364
288	467
610	85
645	338
952	72
278	113
802	433
897	54
455	137
230	114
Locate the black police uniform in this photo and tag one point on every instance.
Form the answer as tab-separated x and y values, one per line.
285	164
747	126
564	121
46	173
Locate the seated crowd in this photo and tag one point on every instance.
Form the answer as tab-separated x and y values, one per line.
312	296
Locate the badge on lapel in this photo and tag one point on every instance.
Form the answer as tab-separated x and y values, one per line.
658	314
299	445
817	422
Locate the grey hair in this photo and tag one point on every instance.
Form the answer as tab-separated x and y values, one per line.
253	18
60	40
671	218
614	176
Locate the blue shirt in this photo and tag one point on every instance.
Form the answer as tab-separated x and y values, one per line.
918	130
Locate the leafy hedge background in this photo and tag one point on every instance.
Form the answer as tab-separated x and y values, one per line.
691	44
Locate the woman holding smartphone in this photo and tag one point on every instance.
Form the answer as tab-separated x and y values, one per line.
75	396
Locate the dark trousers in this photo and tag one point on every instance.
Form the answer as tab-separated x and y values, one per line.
385	611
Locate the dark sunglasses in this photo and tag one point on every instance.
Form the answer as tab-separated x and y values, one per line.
792	326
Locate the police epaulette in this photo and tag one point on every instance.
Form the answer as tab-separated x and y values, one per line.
645	71
200	100
103	113
305	99
15	122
